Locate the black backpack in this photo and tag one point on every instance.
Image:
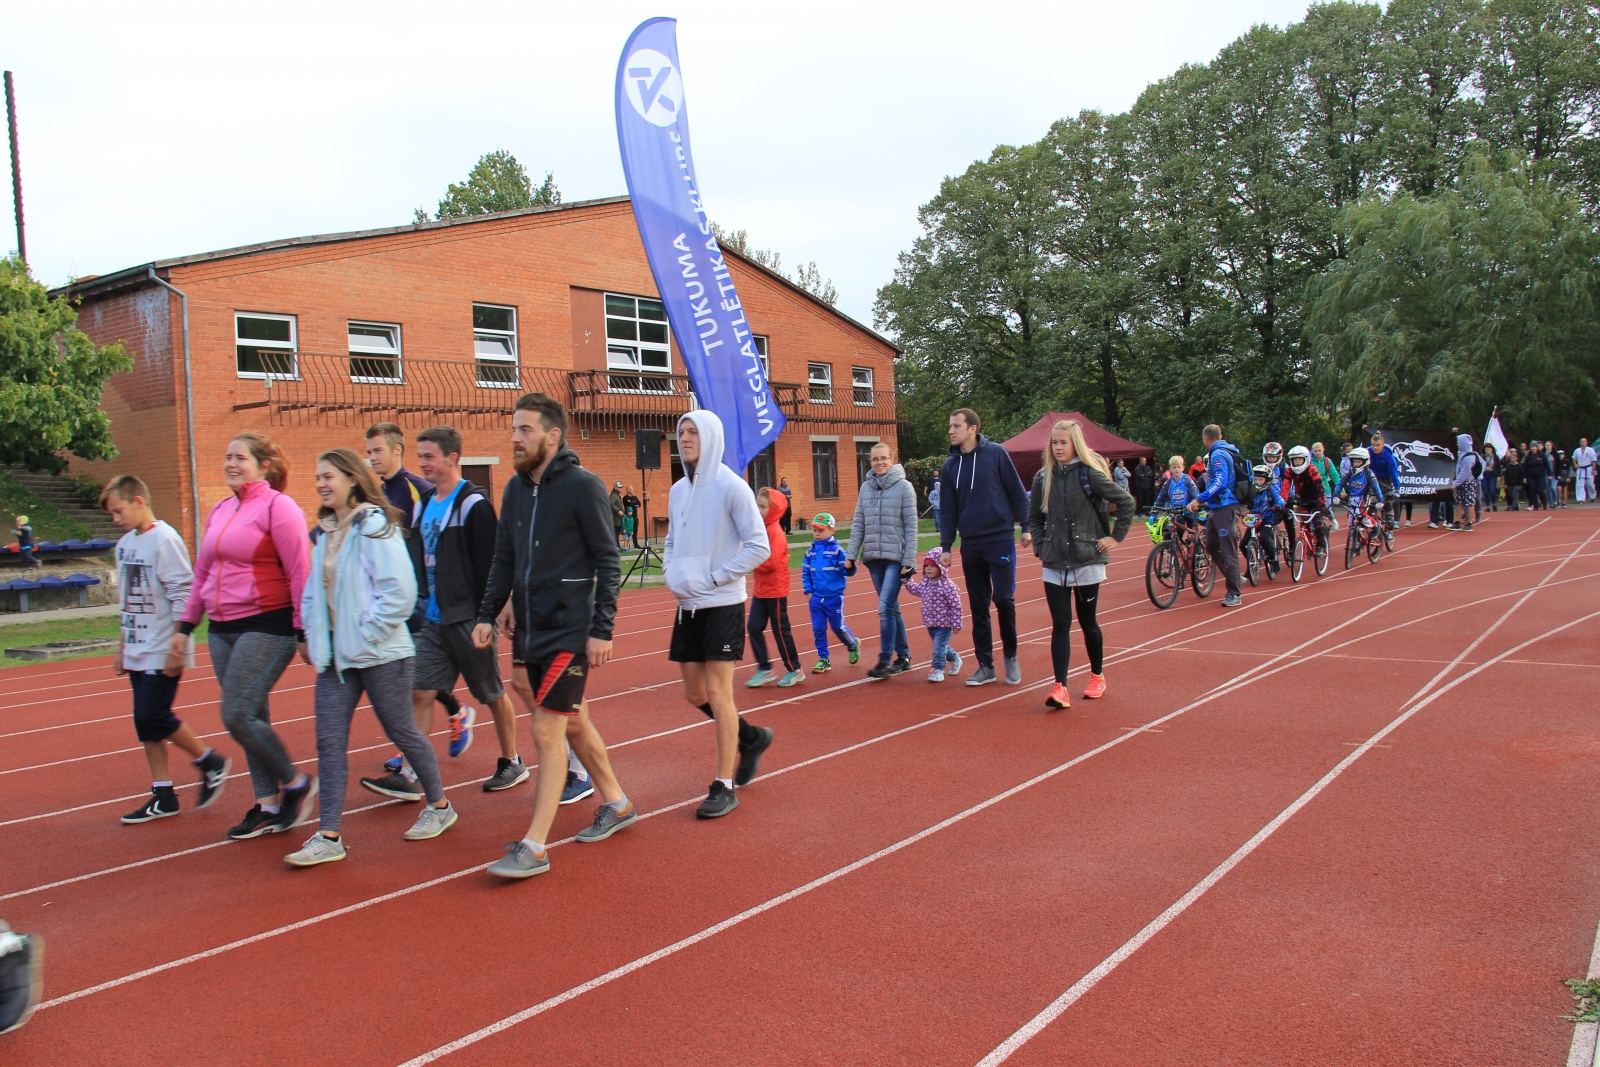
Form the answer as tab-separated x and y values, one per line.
1101	509
1244	486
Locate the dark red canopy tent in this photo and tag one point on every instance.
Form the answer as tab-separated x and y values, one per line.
1027	448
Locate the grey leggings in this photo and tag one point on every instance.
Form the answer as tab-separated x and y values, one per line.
248	665
389	687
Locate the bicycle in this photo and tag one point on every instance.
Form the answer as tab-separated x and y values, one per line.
1305	543
1252	555
1366	535
1178	555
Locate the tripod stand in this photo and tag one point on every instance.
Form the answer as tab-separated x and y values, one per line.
641	562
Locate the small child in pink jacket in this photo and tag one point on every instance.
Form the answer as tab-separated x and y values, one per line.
941	613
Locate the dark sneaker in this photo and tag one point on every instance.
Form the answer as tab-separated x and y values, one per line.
520	861
576	788
21	977
881	671
163	802
507	773
855	651
298	803
256	822
1232	601
982	676
901	665
607	821
213	778
395	786
1013	671
717	803
750	756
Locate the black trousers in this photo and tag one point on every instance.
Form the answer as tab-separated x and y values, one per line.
1061	598
991	573
773	610
1223	545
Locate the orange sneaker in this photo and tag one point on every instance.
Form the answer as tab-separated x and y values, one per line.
1058	698
1096	688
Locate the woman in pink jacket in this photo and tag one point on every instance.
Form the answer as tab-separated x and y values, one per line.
253	561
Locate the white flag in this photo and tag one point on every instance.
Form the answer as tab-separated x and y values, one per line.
1496	436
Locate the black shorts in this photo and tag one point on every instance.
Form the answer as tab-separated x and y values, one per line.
558	681
708	634
153	693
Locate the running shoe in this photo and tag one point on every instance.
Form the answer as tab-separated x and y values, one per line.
982	676
394	785
1058	698
317	849
823	666
759	679
520	861
936	676
297	803
256	822
162	804
507	773
21	977
1232	601
461	730
394	763
718	802
750	756
431	822
953	662
607	821
213	769
1013	671
1431	525
901	665
881	671
855	651
1096	688
576	788
792	678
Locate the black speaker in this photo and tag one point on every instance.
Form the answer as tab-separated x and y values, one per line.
647	449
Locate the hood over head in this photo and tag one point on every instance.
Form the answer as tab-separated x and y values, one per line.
932	556
777	506
1463	443
895	473
711	443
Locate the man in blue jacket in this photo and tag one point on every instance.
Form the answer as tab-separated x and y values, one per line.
1223	465
981	497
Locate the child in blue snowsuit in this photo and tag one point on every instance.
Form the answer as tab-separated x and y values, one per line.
822	576
1269	508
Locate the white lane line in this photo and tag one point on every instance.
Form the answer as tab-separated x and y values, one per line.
1410	707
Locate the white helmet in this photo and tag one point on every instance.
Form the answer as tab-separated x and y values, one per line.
1299	458
1359	458
1273	452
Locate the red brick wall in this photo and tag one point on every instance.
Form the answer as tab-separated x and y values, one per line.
550	266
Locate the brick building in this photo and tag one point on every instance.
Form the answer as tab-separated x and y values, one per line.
312	339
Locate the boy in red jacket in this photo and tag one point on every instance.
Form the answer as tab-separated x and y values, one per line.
771	600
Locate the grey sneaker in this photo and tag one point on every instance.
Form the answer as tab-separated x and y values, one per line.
507	773
1232	601
1013	671
607	821
519	862
982	676
432	822
718	802
317	849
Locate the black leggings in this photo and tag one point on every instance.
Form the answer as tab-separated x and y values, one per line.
1060	598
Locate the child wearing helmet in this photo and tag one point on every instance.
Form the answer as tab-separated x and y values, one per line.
1309	491
1362	483
1269	508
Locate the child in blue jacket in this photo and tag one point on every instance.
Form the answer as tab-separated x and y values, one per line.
822	576
1269	508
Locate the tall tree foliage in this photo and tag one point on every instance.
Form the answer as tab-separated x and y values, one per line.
497	182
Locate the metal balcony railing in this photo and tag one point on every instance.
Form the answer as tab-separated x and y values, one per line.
343	390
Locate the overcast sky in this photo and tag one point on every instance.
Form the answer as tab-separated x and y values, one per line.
159	129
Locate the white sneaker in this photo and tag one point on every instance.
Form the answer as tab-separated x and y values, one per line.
954	666
431	822
317	849
936	676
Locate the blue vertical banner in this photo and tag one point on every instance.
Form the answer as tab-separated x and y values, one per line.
696	287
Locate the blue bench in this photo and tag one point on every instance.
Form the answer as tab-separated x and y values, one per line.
23	586
42	550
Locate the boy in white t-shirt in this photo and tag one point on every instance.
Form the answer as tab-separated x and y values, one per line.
154	575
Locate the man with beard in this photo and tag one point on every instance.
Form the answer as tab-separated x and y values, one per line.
556	558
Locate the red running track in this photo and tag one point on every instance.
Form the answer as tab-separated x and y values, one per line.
1301	832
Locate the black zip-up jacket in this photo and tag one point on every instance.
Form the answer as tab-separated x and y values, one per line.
555	556
462	556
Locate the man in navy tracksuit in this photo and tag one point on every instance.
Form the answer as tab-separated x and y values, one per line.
981	497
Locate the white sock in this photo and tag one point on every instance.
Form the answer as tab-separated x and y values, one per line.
537	846
202	757
620	805
727	782
575	765
168	785
407	773
271	809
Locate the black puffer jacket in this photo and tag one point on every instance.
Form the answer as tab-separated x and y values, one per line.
555	556
1065	535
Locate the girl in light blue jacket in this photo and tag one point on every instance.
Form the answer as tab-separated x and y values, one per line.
361	590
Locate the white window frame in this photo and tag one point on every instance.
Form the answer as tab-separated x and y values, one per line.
766	360
626	356
856	386
359	352
485	333
293	347
824	382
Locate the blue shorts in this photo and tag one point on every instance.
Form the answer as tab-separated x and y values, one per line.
153	693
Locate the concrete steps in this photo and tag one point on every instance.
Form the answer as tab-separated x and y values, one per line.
60	494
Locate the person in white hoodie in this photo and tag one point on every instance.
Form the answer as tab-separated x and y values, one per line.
715	538
361	590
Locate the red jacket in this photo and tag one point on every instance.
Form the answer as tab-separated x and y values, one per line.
772	577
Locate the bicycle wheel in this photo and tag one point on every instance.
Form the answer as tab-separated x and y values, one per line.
1352	546
1321	556
1297	565
1374	547
1163	575
1204	575
1252	555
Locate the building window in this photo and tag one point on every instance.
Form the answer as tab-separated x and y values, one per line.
374	352
864	460
761	350
762	473
639	344
820	378
825	469
861	385
265	345
494	345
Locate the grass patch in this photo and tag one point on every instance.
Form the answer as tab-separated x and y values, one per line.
1586	995
48	523
19	634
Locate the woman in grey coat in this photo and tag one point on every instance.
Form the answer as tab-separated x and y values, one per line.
884	532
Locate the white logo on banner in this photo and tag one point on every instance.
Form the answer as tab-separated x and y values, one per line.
654	88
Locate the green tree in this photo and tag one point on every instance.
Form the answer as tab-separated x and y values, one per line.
1431	53
497	182
807	276
51	376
